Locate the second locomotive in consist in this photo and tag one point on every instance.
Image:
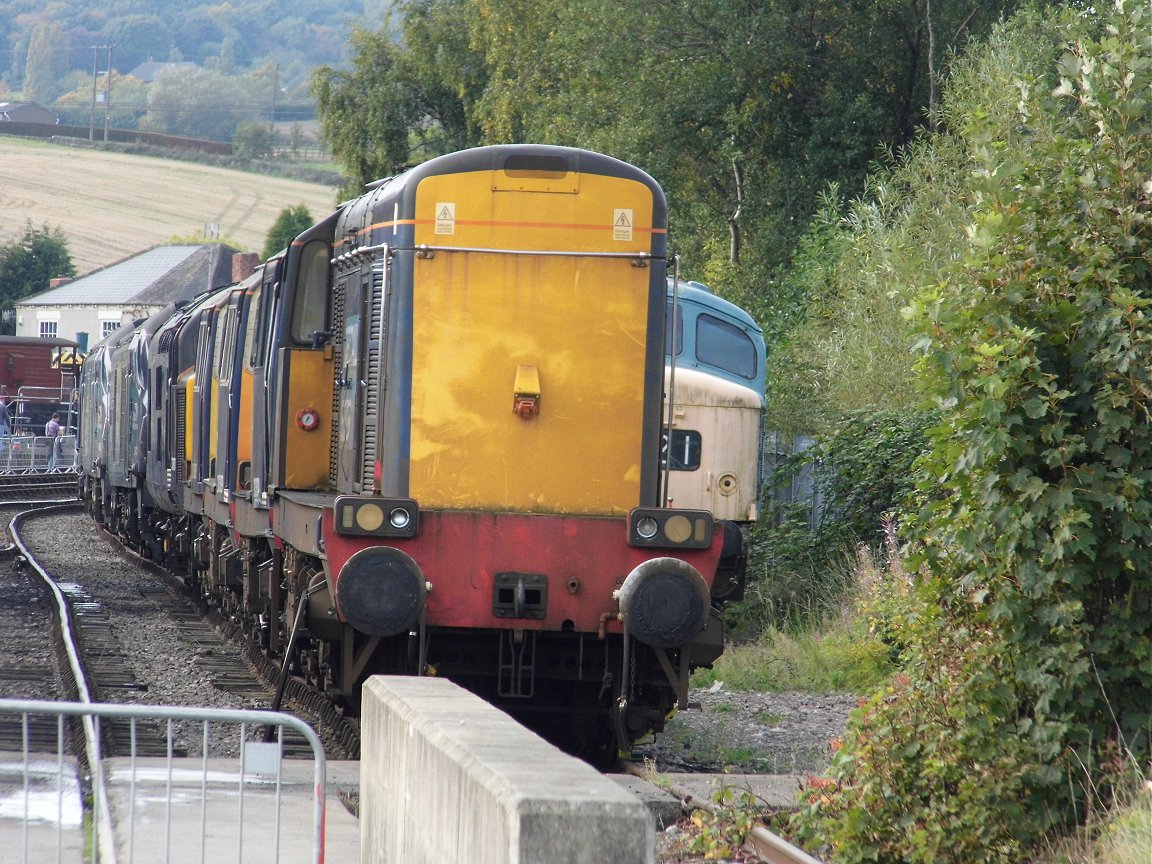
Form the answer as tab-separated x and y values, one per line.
426	439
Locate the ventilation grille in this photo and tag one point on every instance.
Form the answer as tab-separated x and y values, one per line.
178	439
337	329
372	364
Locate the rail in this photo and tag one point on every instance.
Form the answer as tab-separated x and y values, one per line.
768	847
104	778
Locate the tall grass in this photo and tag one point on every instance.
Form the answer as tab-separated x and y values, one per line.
836	641
1121	834
844	656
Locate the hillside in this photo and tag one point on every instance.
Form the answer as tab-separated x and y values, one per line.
111	205
45	43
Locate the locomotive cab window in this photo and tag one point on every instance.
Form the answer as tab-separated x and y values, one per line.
254	329
726	347
310	305
673	331
225	339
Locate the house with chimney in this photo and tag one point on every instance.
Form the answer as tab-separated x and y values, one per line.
89	308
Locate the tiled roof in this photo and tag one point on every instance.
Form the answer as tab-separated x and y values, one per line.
158	276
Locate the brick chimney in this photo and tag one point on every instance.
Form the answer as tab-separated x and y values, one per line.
58	281
243	263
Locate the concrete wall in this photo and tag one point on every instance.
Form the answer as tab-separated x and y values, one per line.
445	777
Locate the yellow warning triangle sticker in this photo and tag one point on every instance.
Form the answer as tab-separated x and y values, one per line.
622	220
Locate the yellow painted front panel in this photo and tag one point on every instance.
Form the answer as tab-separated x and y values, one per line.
478	317
306	453
213	425
246	424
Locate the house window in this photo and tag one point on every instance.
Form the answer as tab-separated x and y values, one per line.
108	327
48	329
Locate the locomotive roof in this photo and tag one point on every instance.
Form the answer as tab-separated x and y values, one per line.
157	276
698	292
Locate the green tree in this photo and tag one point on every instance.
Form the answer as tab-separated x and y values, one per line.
202	103
27	267
367	110
408	95
254	140
203	30
137	38
47	63
288	225
1027	646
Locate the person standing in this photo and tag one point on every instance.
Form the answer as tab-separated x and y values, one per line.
5	431
52	432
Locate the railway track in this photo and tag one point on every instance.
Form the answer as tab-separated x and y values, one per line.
38	488
142	640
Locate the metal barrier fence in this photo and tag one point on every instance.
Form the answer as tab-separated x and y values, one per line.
32	454
160	808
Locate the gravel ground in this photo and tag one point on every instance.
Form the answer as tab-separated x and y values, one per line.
27	670
738	732
154	650
764	733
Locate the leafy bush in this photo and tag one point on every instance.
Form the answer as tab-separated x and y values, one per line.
1027	645
930	770
803	562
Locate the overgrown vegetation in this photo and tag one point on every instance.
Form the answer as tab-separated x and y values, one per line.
806	553
1026	637
845	654
744	112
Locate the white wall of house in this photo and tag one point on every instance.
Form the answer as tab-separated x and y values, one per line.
68	321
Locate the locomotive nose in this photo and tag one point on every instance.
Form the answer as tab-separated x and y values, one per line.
381	591
664	602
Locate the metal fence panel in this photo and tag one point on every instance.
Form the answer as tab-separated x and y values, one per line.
161	808
32	454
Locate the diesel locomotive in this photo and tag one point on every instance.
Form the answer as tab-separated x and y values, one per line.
432	437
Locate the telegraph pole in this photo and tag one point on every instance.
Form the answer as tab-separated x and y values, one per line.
92	113
108	94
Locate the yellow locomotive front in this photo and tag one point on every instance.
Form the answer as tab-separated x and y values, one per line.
530	323
496	347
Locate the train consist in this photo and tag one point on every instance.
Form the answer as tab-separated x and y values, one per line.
431	437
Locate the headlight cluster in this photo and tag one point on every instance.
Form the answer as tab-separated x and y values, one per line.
376	517
659	528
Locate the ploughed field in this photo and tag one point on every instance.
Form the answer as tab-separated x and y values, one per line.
113	205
